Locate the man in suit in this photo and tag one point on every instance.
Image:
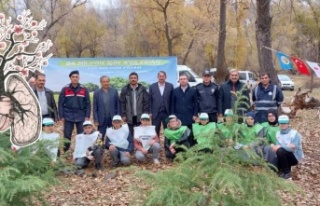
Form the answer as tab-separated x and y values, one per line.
227	98
160	94
105	105
46	99
185	104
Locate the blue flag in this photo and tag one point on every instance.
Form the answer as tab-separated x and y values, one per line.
284	61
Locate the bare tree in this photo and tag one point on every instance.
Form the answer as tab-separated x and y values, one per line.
263	38
222	70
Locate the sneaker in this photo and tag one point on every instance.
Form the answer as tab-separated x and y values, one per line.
156	161
99	166
286	176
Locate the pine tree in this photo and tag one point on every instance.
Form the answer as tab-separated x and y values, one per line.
27	174
220	175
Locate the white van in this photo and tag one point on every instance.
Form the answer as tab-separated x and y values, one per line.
193	78
248	77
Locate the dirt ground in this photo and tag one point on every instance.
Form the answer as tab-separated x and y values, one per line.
100	188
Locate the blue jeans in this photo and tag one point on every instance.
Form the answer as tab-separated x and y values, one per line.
67	131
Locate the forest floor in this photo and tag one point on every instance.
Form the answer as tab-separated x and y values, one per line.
116	186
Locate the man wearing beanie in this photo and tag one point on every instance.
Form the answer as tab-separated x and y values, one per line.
74	106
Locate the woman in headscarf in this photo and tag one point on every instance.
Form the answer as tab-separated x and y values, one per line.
272	126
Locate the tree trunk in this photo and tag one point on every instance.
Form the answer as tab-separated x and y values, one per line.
222	70
263	38
184	62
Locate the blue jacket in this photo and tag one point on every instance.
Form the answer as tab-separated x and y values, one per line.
74	103
185	104
99	112
225	98
290	136
208	96
267	98
155	98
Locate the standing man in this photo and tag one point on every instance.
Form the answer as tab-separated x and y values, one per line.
266	95
46	99
74	106
160	94
134	101
208	95
185	102
105	105
226	96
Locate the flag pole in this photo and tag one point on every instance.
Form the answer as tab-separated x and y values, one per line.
274	50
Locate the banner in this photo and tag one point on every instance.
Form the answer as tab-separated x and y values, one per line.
118	69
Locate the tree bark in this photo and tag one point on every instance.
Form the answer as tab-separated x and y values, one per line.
222	70
263	38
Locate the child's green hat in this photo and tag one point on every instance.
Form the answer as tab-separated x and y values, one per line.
228	112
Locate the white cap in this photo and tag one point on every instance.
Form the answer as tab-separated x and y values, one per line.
228	112
283	119
47	121
203	116
87	123
172	116
116	117
145	116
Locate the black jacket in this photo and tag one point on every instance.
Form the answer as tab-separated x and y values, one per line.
126	103
208	96
52	106
225	96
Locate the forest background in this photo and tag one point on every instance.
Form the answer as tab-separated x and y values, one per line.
188	29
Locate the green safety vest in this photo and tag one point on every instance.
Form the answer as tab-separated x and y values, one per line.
229	131
202	132
174	135
271	132
249	134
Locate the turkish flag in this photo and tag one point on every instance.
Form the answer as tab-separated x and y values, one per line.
301	66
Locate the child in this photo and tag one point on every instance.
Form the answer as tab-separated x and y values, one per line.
288	147
146	140
250	132
119	142
51	137
87	147
175	134
272	126
203	130
229	129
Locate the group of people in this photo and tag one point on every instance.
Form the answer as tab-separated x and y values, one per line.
132	120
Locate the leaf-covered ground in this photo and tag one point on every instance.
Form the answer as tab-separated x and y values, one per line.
116	187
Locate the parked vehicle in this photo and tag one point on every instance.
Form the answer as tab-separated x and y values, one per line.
286	82
248	77
193	78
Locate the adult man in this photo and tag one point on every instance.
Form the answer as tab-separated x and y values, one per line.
46	99
74	106
105	105
266	95
134	101
208	95
227	97
160	94
32	81
184	102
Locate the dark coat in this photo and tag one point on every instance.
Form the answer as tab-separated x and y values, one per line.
208	96
225	100
74	108
126	102
155	98
52	106
99	112
185	104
